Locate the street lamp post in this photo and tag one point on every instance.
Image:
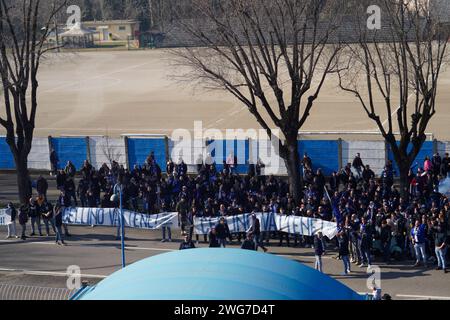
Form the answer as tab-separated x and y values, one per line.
118	190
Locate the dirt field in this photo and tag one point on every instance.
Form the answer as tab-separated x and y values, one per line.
123	92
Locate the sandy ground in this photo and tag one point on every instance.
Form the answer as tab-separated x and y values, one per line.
98	93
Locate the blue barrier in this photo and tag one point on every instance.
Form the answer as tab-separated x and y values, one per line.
6	157
427	150
139	149
73	149
239	148
324	154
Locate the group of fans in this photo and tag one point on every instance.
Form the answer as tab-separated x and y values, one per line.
373	218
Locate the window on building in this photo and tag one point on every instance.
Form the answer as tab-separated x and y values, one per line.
122	28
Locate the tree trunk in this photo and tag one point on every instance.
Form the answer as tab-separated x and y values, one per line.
292	161
23	180
404	185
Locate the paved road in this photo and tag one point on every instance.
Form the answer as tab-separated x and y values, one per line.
38	261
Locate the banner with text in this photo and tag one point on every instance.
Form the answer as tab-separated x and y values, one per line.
111	218
239	223
5	217
270	222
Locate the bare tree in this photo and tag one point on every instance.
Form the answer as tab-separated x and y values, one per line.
396	71
271	55
111	152
24	28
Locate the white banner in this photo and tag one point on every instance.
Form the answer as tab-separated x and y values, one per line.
239	223
111	218
270	222
5	218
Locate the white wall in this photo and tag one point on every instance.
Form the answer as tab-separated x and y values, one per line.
372	153
39	157
443	147
100	147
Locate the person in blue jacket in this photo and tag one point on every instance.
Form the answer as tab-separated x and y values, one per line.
418	235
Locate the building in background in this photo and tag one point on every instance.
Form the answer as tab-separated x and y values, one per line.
114	30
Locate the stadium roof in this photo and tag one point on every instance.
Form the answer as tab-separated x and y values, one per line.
217	274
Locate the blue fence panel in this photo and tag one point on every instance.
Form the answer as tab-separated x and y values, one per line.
73	149
427	150
140	149
6	157
239	148
323	154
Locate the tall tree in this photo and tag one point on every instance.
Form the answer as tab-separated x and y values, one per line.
271	55
24	28
396	71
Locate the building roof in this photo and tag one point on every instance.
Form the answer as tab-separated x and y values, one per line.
217	274
110	22
77	31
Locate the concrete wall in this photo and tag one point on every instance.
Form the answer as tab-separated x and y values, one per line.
105	150
39	157
372	153
324	153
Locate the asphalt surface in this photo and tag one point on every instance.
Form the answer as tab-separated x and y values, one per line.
38	261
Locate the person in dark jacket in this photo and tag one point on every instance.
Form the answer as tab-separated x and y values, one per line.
70	170
58	215
213	241
223	232
35	216
70	190
358	165
11	211
440	244
187	243
344	251
47	217
60	179
248	243
385	238
318	251
54	161
255	230
42	186
23	219
365	242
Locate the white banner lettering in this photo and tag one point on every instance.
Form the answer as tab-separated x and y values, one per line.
5	217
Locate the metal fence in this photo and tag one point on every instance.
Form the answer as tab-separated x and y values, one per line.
22	292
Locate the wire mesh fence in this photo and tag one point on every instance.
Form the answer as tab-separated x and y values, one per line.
22	292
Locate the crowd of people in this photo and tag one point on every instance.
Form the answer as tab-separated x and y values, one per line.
373	217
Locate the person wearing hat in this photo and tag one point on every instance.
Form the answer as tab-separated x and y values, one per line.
11	211
187	242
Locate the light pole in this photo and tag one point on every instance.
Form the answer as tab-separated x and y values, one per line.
118	190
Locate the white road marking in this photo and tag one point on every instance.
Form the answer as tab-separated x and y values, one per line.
422	297
220	120
50	273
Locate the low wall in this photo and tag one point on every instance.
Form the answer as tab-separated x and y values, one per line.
329	155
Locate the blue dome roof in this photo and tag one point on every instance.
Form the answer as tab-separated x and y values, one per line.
218	274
